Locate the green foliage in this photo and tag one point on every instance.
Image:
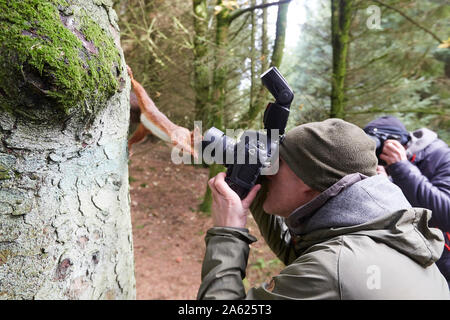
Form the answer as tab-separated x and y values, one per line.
4	175
396	70
42	60
157	39
175	59
261	270
393	70
262	264
308	67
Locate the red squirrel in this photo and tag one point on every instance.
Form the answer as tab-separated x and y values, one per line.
154	121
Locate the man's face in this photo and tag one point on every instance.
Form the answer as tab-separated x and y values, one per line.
286	192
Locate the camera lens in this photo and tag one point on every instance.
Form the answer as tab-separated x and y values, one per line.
217	147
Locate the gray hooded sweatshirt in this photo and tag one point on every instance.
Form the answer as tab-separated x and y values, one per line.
359	239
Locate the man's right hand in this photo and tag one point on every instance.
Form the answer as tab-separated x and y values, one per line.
393	152
228	210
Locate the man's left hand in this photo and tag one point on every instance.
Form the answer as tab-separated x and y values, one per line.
393	152
228	210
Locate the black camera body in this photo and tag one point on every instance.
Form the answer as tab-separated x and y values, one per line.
255	151
380	135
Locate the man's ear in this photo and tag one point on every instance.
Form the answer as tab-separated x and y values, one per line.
312	192
307	190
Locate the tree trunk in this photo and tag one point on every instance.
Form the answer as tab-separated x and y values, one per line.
218	97
341	15
261	99
260	102
220	73
65	227
280	38
253	84
201	57
264	41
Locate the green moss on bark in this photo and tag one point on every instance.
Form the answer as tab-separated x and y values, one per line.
4	175
54	54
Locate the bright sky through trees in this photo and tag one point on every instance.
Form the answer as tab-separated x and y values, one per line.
296	16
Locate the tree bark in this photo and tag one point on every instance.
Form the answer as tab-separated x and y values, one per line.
262	94
264	41
253	84
341	14
65	227
221	68
260	101
280	38
201	56
218	98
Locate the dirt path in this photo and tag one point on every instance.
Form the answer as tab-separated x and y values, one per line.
168	232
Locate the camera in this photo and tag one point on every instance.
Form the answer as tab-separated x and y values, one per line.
380	135
255	152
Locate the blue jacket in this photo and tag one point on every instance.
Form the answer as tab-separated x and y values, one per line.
425	181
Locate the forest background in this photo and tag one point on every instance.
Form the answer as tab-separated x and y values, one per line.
356	60
201	60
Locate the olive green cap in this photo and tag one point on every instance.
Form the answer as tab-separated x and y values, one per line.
322	153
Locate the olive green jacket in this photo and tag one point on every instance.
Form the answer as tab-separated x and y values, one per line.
359	239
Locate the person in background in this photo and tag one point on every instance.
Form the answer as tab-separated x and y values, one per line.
421	168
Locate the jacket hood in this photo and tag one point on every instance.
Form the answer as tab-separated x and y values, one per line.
420	139
373	207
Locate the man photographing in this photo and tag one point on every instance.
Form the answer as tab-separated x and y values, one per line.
421	169
342	231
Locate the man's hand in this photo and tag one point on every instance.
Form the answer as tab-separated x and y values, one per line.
393	152
228	210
